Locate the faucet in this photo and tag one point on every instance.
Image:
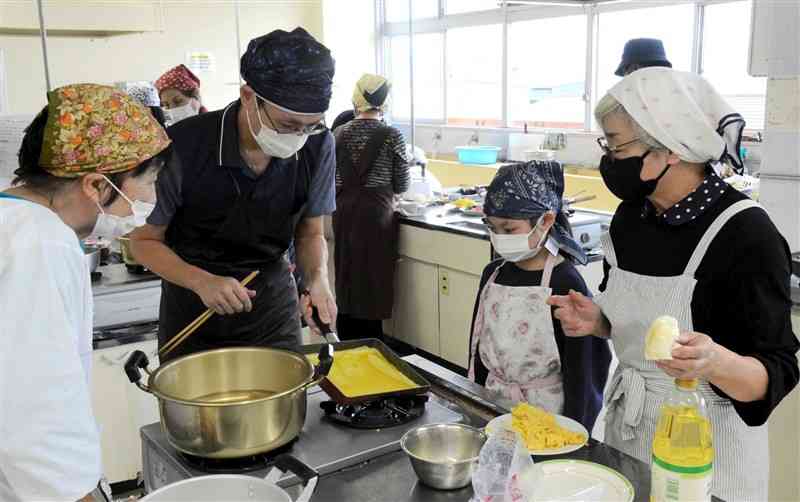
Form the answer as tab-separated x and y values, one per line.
437	138
473	140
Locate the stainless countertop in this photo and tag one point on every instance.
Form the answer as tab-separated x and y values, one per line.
389	477
445	219
116	278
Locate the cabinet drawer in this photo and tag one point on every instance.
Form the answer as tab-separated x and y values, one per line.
457	252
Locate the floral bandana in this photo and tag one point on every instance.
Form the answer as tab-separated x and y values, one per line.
525	191
180	78
95	128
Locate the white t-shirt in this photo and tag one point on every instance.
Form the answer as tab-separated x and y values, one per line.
49	442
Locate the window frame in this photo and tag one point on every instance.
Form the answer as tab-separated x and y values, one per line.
505	15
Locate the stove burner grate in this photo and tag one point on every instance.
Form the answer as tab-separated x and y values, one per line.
380	413
237	465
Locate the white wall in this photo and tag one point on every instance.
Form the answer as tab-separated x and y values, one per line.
197	25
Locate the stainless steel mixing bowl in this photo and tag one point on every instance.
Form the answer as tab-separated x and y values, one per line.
443	455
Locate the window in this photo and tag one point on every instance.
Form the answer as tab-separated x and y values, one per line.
428	98
474	76
459	50
724	63
397	10
546	72
461	6
673	25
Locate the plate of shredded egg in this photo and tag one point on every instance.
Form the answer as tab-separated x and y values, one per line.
544	433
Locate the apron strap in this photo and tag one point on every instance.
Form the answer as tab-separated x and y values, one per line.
549	265
608	249
517	390
357	175
477	327
711	233
627	389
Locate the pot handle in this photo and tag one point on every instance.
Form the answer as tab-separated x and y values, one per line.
289	463
138	360
324	367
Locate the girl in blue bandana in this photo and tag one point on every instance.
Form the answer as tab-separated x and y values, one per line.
517	347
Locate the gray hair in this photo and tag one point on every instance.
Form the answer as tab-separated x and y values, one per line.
609	106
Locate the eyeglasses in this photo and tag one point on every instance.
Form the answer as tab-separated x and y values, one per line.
309	130
611	150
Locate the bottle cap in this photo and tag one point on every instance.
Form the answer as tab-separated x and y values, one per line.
686	384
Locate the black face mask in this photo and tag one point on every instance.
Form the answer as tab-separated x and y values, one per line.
623	177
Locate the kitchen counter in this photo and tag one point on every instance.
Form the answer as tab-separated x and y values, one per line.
106	338
445	219
122	298
391	477
116	278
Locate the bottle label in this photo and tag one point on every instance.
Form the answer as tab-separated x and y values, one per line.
672	483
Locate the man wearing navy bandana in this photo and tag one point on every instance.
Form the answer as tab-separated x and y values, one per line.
245	183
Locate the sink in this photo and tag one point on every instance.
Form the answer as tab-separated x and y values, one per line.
470	225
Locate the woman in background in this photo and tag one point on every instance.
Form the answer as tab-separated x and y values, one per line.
146	94
179	90
371	167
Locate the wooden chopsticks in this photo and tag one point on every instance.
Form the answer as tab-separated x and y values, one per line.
192	326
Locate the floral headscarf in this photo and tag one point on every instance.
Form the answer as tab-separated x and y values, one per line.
96	128
180	78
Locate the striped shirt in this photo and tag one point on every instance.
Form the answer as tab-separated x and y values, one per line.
391	165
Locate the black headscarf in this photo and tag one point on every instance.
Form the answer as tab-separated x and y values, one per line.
290	69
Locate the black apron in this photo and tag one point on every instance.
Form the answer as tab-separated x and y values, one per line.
225	229
365	232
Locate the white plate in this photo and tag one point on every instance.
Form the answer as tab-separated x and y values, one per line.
577	480
504	422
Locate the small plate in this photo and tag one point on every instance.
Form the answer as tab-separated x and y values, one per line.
504	422
560	480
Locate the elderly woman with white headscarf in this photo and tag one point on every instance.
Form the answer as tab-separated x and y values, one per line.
683	243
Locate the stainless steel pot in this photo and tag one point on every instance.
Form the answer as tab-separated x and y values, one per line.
125	250
231	402
92	256
240	488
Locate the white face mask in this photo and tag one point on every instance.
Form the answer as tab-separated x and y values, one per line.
175	115
273	143
112	226
515	247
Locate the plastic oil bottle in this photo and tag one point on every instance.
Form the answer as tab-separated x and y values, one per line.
683	452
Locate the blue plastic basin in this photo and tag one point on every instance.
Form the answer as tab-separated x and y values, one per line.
477	154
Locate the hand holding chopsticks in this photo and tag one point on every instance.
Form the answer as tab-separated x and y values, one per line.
194	325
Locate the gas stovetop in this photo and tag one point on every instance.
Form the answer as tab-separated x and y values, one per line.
323	444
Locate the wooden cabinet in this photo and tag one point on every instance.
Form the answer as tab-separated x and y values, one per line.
121	409
436	281
457	291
